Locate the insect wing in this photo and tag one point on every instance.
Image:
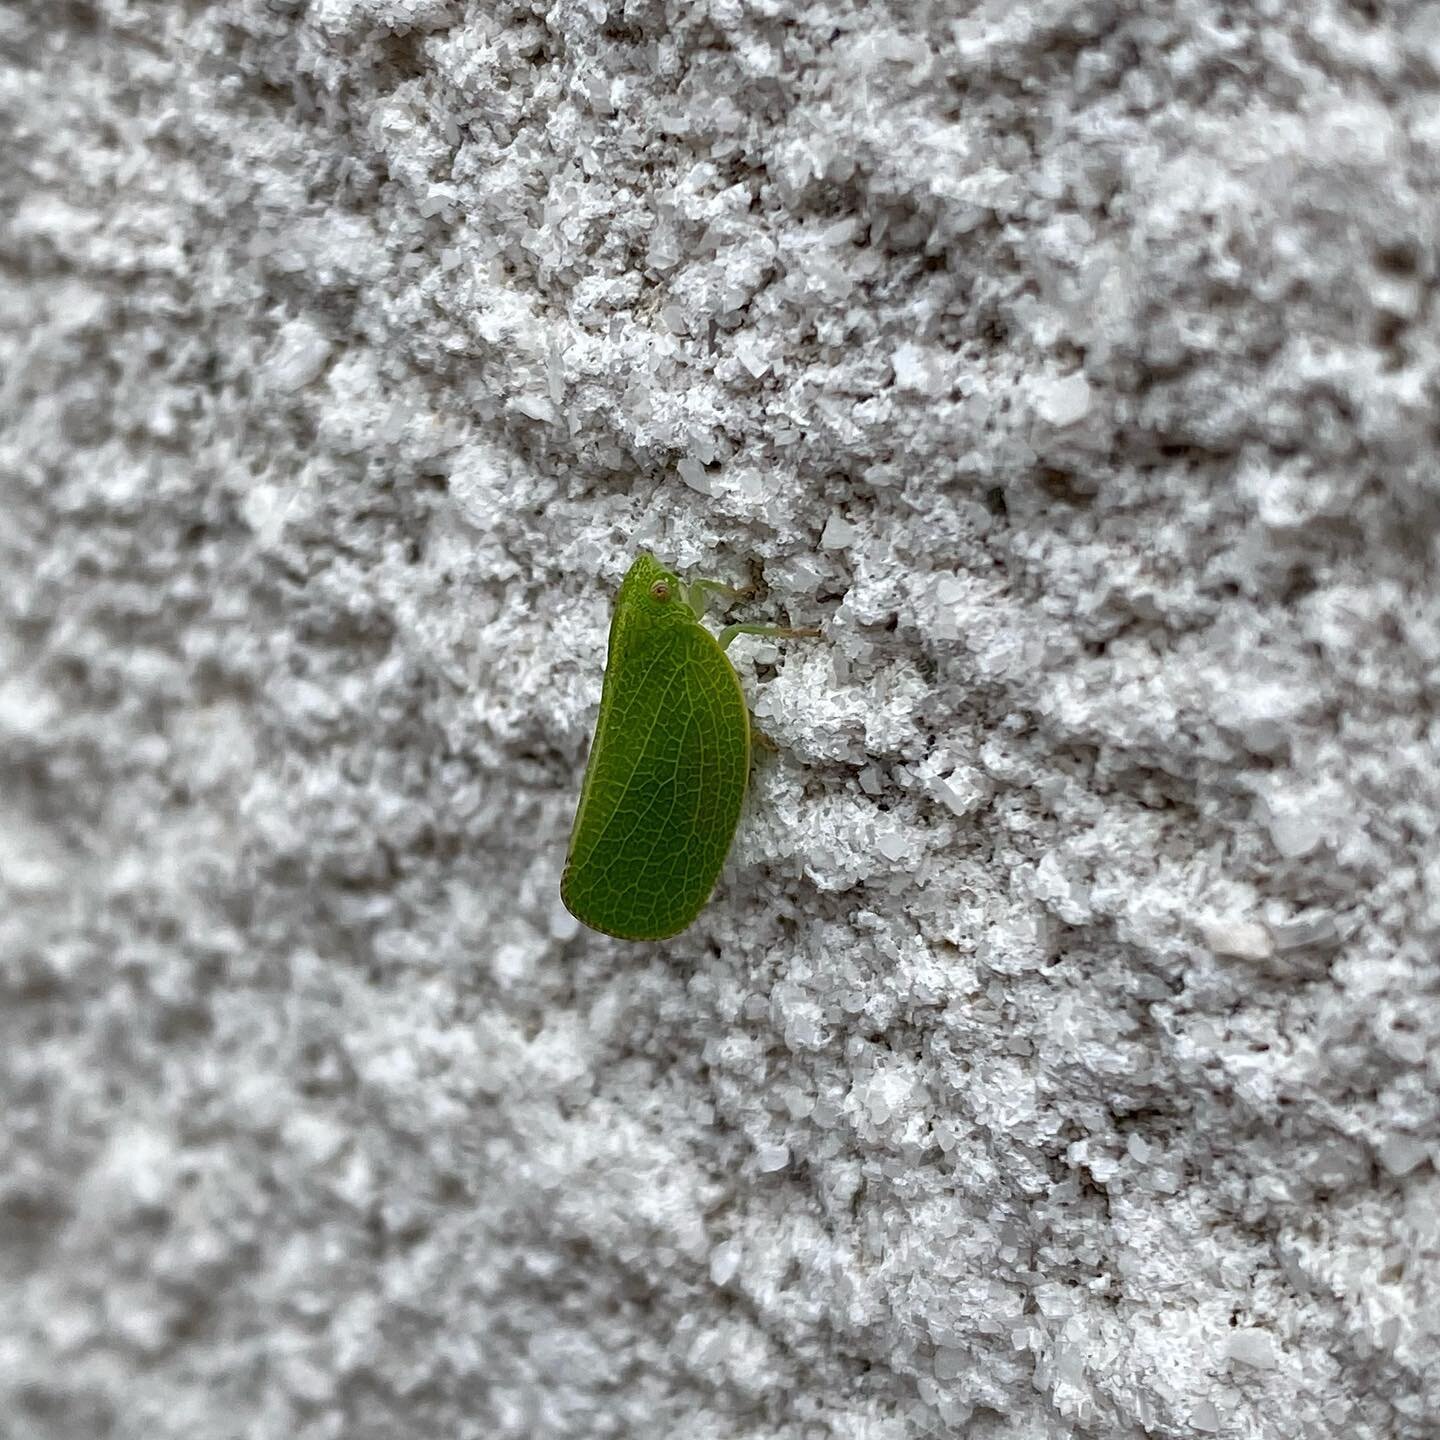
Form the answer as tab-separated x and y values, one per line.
663	787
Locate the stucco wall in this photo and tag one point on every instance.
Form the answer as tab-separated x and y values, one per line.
1059	1054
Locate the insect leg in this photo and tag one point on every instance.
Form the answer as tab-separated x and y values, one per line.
779	632
698	591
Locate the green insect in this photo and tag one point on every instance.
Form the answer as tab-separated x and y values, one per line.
668	764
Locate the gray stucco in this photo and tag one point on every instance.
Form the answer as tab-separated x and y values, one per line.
1059	1054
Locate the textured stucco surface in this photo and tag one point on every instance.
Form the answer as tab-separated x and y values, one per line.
1060	1055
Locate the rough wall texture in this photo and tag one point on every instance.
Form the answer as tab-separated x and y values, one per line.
1060	1054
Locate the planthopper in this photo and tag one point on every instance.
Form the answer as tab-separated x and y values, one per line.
668	765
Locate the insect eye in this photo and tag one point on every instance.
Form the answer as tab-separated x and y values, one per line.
660	591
